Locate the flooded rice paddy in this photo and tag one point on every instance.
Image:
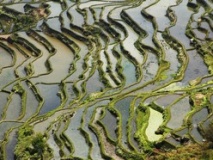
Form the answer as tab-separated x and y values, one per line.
106	79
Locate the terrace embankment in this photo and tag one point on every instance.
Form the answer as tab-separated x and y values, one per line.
110	79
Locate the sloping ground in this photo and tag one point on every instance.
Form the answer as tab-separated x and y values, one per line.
104	79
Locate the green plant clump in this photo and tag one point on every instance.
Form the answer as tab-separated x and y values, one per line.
31	145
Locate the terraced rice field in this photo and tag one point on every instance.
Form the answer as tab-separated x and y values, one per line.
109	79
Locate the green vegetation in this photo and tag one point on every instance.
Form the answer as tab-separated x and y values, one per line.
121	80
12	20
31	145
186	152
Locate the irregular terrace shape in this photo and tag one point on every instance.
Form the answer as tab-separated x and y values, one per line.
93	77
